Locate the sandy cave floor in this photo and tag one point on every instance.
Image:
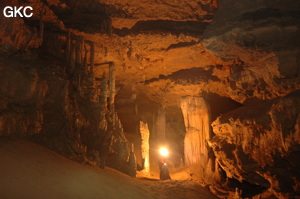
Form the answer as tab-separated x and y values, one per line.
31	171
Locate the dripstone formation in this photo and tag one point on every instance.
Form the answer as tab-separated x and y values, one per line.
217	82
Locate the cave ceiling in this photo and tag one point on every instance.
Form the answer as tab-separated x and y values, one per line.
165	49
238	59
150	41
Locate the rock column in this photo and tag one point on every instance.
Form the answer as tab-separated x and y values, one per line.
145	146
78	48
112	85
196	116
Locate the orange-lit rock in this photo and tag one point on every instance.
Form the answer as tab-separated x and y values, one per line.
262	41
196	114
227	54
258	144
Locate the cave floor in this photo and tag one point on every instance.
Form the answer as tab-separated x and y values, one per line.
28	170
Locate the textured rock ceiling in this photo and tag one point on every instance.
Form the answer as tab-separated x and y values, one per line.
235	53
149	38
153	41
134	11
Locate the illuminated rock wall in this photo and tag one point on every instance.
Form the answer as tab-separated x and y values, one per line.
260	144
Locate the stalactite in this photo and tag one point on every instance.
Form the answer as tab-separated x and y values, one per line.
78	48
59	46
81	39
103	103
112	85
103	92
106	23
85	60
196	116
79	82
72	58
145	146
68	48
159	127
92	91
41	24
92	57
32	41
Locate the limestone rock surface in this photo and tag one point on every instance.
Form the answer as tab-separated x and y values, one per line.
261	40
260	144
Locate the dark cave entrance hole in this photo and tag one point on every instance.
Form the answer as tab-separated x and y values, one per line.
219	105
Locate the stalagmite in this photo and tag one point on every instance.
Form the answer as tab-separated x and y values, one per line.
85	60
92	57
145	146
112	85
196	116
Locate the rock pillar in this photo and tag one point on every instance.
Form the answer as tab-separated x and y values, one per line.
145	146
196	116
112	85
79	42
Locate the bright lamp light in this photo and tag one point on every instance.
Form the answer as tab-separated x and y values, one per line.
164	151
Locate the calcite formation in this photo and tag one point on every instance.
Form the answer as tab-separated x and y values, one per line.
220	77
145	147
196	114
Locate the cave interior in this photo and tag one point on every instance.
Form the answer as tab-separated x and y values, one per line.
108	83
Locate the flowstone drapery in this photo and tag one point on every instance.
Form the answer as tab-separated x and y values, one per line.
196	116
159	127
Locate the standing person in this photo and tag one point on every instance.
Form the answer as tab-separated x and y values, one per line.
163	168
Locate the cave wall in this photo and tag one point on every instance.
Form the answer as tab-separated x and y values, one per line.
50	94
257	139
33	103
260	144
261	38
21	103
244	52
